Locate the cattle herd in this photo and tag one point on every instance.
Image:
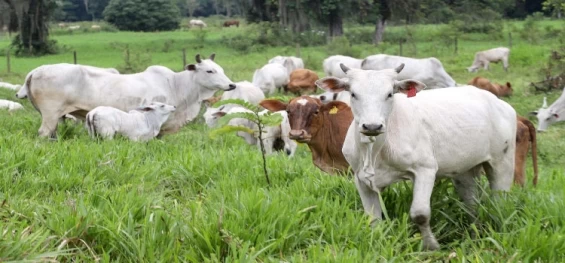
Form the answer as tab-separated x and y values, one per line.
384	118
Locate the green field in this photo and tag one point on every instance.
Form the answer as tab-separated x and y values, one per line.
189	198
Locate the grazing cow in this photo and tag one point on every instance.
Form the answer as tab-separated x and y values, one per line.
525	136
321	126
494	88
547	116
398	135
62	25
302	81
10	105
59	89
331	65
10	86
95	27
290	63
270	77
231	23
142	124
22	93
74	27
275	138
197	23
430	71
327	97
484	58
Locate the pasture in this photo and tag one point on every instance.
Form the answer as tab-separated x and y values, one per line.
189	198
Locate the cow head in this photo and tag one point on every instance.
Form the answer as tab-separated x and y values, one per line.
211	115
372	95
162	110
504	90
262	82
473	69
305	115
546	116
210	75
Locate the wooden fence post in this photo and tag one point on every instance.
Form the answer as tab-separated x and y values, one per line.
400	47
75	56
8	64
298	49
183	58
509	39
455	45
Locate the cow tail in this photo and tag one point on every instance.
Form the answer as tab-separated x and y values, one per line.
533	139
27	85
90	124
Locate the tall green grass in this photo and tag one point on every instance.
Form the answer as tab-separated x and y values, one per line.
188	198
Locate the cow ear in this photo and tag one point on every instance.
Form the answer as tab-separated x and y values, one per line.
508	85
219	114
190	67
212	56
332	84
404	86
534	113
334	107
273	105
146	108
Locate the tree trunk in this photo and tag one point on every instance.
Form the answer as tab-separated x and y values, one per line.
379	31
228	8
336	23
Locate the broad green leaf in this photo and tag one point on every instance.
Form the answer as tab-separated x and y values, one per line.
245	115
239	102
228	129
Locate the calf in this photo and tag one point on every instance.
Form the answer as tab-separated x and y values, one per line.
321	126
10	86
484	58
302	81
141	124
10	105
525	136
494	88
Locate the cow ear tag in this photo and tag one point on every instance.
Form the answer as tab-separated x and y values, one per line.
334	110
411	91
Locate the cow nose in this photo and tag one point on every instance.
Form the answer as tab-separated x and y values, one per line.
296	134
372	127
322	97
231	86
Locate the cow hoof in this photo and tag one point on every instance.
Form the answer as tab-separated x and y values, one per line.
431	244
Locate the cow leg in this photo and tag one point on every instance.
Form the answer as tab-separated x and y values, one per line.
500	172
370	200
505	63
49	125
466	187
420	210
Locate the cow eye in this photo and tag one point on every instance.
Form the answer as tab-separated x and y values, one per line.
389	95
353	95
209	71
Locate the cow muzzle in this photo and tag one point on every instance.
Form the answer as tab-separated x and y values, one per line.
231	87
299	135
372	129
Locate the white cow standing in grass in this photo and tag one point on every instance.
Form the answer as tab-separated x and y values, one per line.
61	89
331	65
484	58
270	77
291	63
142	124
442	133
10	105
552	114
197	23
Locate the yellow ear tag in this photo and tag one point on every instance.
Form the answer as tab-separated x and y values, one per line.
334	110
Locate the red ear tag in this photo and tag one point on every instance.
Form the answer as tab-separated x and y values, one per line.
411	91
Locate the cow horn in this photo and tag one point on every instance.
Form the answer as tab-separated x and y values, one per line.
212	56
343	67
544	102
198	58
399	68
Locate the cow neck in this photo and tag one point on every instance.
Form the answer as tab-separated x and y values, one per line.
188	95
559	107
321	143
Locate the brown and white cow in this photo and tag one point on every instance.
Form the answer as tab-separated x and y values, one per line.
321	126
302	81
525	136
494	88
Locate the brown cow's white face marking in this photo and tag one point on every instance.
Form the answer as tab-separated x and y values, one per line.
302	101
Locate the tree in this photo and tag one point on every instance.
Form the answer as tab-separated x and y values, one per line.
329	13
556	6
143	15
192	5
33	37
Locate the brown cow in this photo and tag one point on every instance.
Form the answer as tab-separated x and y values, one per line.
231	23
525	135
302	81
321	126
494	88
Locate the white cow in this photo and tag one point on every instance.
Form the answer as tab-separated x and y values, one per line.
331	65
7	85
270	77
483	58
398	135
74	27
327	97
22	93
197	23
290	63
271	135
246	91
430	71
10	105
552	114
142	124
62	88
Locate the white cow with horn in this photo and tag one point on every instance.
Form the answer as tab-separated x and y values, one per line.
552	114
400	132
60	89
